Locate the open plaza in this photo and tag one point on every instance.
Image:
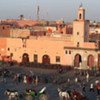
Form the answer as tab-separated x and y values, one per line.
12	78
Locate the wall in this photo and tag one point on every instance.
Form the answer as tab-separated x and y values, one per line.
4	30
40	46
46	46
19	32
78	26
3	45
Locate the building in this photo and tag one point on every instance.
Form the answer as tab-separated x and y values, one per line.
94	28
65	49
8	31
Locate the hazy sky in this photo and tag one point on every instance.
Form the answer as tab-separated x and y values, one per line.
49	9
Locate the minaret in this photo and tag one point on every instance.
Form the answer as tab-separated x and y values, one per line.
81	13
80	28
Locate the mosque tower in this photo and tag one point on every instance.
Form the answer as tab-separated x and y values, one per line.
81	13
80	28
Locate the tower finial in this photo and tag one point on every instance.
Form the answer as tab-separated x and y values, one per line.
81	5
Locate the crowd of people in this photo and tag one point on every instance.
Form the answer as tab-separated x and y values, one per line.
60	79
26	79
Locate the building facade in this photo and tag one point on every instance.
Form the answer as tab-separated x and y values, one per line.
74	50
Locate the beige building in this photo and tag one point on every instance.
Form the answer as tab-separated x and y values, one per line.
8	31
68	50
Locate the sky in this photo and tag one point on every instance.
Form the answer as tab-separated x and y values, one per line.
49	9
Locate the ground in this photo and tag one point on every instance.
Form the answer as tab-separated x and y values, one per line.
54	80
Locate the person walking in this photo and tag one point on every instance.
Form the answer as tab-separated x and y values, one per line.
25	79
68	80
87	77
36	80
91	87
76	80
98	88
84	87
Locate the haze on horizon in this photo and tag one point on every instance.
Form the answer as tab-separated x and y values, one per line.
49	9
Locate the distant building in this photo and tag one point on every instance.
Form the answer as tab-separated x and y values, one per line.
8	31
94	28
20	23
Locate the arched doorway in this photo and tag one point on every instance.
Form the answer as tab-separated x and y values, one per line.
46	59
77	60
25	58
90	61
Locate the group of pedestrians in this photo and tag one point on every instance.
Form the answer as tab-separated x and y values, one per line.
26	79
85	83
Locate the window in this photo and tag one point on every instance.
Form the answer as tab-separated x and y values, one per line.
8	49
78	44
69	52
80	16
3	27
24	45
11	54
57	58
77	33
66	52
35	58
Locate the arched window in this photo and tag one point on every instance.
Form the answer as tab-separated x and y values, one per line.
78	44
80	16
3	27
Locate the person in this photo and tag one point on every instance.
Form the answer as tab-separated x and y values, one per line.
87	77
19	78
25	79
31	73
98	88
97	81
91	87
15	77
76	79
74	94
36	80
60	70
84	87
46	80
4	80
68	80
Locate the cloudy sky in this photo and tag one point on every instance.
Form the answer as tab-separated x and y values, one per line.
49	9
